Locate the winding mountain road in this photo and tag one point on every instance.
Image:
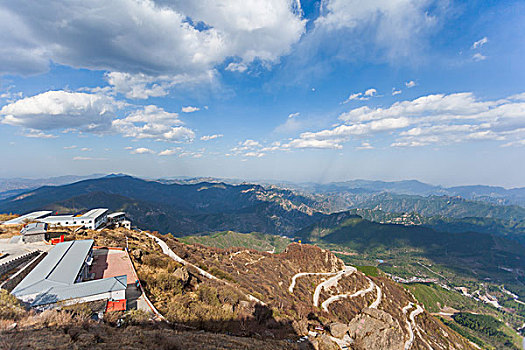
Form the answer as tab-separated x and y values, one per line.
301	274
333	298
411	323
331	282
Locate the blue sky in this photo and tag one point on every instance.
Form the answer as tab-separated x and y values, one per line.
278	89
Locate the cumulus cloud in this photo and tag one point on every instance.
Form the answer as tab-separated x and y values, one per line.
432	119
190	109
143	86
361	96
211	137
246	145
155	123
293	115
169	152
480	43
395	92
237	67
410	84
61	110
145	41
142	150
37	134
378	30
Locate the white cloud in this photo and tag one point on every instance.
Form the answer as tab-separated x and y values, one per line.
156	38
70	147
432	119
246	145
395	92
254	154
391	30
514	143
293	115
365	145
361	96
85	149
155	123
37	134
478	57
211	137
169	152
237	67
410	84
313	143
370	92
62	110
88	158
190	109
480	43
143	86
142	150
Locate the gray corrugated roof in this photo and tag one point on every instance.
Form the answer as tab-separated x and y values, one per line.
53	279
34	228
80	290
29	216
60	267
93	213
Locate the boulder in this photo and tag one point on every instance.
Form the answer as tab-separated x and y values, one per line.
375	329
338	330
137	254
323	342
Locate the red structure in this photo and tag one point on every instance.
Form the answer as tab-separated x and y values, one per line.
57	240
116	305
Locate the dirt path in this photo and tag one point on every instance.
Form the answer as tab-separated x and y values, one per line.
331	282
376	302
333	298
167	250
301	274
411	323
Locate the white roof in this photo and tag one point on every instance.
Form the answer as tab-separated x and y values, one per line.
92	214
95	213
29	216
119	213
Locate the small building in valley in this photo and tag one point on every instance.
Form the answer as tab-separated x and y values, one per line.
61	279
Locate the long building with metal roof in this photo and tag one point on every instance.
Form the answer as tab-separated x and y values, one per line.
93	219
60	276
27	217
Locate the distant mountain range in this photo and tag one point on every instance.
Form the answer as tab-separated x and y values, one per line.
13	186
491	194
180	209
188	206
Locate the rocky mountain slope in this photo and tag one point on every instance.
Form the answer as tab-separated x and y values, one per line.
235	298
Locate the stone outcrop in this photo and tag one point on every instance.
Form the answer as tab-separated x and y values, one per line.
376	329
338	330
